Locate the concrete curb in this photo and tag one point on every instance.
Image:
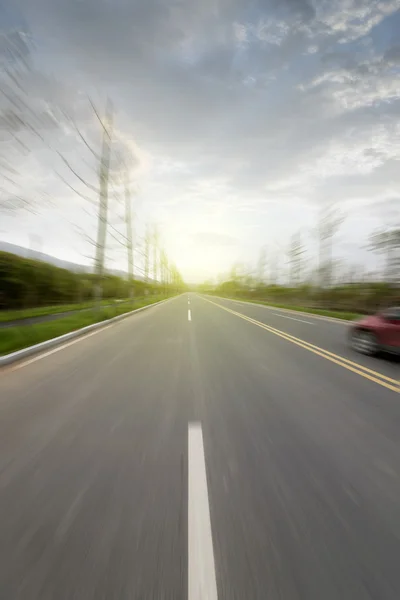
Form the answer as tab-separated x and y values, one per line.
13	357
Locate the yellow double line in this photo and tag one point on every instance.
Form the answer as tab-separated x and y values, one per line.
387	382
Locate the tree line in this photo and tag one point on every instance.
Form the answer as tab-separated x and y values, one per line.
360	298
27	283
292	275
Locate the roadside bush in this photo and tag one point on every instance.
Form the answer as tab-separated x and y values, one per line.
27	283
353	298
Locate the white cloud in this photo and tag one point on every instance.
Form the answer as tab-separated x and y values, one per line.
236	114
351	19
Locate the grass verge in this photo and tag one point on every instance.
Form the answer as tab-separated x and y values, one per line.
40	311
335	314
17	338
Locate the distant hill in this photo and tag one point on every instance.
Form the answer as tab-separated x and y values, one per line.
35	255
57	262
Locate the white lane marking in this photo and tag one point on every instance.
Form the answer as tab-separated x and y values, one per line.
292	318
188	300
189	315
298	312
201	566
54	350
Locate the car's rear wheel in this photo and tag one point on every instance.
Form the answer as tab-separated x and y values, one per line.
364	341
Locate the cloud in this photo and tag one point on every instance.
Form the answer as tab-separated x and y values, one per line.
392	55
235	105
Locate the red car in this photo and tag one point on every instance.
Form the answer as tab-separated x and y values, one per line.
375	333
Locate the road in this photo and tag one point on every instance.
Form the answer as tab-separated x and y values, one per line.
201	455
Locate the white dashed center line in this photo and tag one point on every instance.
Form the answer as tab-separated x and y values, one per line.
201	567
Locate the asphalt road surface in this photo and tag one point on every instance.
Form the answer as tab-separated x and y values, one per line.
201	449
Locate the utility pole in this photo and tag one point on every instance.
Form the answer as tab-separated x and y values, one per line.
129	234
330	220
103	199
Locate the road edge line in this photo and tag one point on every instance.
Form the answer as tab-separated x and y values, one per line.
291	311
365	372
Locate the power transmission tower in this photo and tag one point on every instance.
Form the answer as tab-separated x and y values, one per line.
103	196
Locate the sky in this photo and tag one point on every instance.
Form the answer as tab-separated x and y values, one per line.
243	118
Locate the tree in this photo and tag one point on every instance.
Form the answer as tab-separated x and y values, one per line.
330	220
387	243
28	111
296	252
156	242
262	263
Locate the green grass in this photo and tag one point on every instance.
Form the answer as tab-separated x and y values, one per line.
346	316
17	338
26	313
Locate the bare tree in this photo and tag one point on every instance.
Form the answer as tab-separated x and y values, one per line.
274	266
164	269
330	220
156	241
262	263
296	252
129	232
28	111
147	253
387	243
